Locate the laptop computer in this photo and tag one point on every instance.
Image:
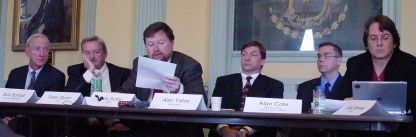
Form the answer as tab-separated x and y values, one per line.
390	94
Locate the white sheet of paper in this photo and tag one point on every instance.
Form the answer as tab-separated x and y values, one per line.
150	73
60	98
108	99
362	107
18	95
333	105
178	101
273	105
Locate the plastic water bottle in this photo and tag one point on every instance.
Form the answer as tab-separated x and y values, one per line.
96	82
318	105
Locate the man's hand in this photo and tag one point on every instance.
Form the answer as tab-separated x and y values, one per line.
88	64
6	120
41	28
349	98
118	127
226	131
172	83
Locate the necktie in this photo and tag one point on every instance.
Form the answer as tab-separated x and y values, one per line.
32	80
326	90
246	91
157	91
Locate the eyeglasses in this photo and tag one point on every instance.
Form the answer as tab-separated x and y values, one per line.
38	50
325	56
383	37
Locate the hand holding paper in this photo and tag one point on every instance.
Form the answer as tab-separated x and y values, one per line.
150	73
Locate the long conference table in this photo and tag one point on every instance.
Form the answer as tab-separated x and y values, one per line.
327	121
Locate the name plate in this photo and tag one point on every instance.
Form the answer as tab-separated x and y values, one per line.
18	95
61	98
178	101
107	99
362	107
272	105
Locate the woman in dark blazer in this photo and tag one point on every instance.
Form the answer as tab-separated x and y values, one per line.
383	60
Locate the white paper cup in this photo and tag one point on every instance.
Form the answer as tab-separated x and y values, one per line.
216	103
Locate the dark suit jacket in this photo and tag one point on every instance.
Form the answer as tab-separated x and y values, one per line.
53	20
188	70
401	67
230	88
305	92
49	79
77	83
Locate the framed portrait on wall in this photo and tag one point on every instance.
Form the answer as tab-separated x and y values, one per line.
57	19
289	25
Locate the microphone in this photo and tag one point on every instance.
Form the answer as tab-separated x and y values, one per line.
133	104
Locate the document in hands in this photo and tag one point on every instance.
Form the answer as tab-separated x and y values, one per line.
150	73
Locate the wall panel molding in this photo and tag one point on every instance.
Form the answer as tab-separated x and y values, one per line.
3	25
147	12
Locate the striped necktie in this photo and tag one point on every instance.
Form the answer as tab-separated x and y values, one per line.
32	80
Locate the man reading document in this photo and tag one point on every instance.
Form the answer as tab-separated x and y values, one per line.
159	40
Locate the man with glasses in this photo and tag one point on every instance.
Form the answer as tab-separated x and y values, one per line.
94	54
38	76
328	61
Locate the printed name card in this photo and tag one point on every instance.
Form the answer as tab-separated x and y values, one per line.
18	95
178	101
272	105
61	98
106	99
362	107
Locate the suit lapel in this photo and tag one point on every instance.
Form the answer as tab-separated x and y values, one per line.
335	87
42	79
113	76
21	78
175	59
238	88
257	86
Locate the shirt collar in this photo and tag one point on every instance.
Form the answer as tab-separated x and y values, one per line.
253	77
37	71
104	68
332	81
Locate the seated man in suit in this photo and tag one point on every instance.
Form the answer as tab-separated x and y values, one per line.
235	87
38	76
94	53
329	59
159	40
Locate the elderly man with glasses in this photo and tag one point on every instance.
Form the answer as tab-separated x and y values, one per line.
38	76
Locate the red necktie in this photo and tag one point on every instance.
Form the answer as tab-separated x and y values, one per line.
157	91
246	91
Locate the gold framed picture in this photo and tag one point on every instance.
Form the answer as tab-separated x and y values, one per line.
51	57
57	19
